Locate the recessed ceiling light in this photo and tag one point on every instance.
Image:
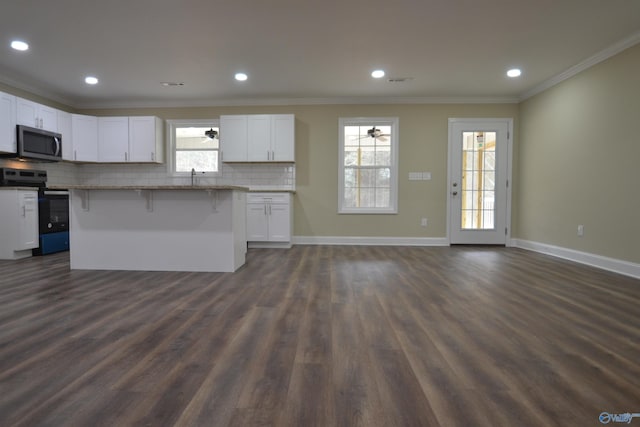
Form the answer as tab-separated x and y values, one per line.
90	80
241	77
171	84
514	72
377	74
19	45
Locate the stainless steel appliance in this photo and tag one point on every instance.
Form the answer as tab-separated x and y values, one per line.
53	217
37	144
10	177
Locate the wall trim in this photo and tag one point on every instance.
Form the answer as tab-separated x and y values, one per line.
587	63
269	245
370	241
626	268
255	102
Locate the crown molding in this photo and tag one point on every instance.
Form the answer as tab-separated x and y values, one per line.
299	101
587	63
35	90
246	102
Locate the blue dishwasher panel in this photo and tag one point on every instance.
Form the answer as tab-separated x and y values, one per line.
53	242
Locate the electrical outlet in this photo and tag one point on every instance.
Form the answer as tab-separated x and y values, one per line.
580	230
423	222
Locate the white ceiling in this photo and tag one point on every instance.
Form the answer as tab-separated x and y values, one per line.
301	49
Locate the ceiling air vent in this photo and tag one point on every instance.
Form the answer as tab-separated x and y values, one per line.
399	79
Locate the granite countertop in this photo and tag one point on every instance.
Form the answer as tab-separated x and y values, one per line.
262	190
11	187
150	187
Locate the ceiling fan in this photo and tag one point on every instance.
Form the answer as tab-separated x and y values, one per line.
375	133
211	134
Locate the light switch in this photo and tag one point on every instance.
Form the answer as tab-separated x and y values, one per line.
426	176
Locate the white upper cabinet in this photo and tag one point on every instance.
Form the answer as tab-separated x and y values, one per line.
130	139
258	138
7	123
146	143
283	138
233	138
36	115
113	139
64	128
84	138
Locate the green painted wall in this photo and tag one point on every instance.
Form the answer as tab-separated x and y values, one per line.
579	161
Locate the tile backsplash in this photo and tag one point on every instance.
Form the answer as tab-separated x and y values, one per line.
255	176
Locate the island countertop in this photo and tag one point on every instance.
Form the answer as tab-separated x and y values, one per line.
150	187
157	227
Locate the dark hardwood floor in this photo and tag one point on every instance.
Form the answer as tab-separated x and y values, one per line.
321	336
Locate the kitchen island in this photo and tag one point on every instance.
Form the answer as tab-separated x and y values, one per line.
157	228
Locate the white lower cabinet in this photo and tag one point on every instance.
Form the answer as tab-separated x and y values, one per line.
19	225
269	217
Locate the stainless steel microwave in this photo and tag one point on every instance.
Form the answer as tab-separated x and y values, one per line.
38	144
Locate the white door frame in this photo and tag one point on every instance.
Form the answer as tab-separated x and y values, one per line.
509	122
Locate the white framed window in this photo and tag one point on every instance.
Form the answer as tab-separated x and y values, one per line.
194	145
368	165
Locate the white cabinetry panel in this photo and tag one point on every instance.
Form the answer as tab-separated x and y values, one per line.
233	138
36	115
283	138
19	225
64	129
146	143
7	123
258	138
84	139
113	139
269	217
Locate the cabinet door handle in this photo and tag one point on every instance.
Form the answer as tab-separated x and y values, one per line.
125	157
24	211
75	155
153	157
265	209
273	155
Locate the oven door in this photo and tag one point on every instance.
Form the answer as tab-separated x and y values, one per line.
53	209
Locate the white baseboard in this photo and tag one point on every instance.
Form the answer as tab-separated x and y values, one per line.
611	264
269	245
370	241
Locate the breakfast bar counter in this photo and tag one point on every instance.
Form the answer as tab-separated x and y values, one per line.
157	228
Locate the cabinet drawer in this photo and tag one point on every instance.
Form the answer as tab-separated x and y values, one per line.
268	197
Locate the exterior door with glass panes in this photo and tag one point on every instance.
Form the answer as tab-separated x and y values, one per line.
478	180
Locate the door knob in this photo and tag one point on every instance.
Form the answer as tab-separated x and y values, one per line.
455	184
455	193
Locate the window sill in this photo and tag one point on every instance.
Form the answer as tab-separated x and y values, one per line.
368	212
